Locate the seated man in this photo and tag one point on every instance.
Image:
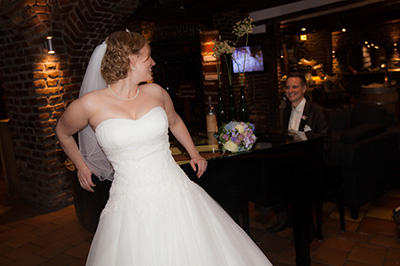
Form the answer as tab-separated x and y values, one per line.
301	115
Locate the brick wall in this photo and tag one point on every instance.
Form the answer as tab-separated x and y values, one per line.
37	87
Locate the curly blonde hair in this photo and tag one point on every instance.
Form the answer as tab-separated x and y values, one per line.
120	45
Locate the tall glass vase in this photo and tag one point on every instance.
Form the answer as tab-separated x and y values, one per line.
221	115
243	111
232	113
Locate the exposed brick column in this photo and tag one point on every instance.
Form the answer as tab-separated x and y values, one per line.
38	87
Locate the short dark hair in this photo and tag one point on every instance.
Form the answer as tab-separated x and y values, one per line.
302	78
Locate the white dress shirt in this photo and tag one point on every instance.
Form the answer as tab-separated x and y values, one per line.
295	116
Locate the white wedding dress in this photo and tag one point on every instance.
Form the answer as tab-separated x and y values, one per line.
156	215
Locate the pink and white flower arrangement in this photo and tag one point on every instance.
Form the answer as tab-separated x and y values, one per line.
236	136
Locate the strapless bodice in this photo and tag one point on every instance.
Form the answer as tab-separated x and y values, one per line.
138	147
128	139
139	152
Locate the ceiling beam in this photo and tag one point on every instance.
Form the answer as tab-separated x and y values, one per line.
332	10
282	10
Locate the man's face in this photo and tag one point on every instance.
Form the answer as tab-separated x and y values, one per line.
295	91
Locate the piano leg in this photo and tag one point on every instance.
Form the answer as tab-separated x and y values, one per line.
301	215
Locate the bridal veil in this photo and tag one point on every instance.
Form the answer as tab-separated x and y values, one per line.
89	148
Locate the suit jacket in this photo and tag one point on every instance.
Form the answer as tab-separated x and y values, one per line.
316	118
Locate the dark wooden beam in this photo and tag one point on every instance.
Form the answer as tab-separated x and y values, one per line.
196	11
366	16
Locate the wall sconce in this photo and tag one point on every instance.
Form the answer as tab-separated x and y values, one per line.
303	37
50	49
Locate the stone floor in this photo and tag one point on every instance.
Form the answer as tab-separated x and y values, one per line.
29	236
372	239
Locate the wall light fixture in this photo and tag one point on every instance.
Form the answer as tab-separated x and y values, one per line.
50	49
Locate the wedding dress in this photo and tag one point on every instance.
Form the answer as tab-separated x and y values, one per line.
156	215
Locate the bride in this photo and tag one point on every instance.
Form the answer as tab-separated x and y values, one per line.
155	214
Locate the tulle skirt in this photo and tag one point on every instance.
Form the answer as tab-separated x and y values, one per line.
185	228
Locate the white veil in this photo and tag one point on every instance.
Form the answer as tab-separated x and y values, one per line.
89	148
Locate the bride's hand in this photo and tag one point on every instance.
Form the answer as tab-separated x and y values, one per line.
85	179
201	165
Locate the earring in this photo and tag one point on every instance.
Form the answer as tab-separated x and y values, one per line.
133	68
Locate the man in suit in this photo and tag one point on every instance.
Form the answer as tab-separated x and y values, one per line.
301	115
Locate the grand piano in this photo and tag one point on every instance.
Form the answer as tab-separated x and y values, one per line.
278	168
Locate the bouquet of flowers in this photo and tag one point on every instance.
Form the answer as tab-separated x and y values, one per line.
236	136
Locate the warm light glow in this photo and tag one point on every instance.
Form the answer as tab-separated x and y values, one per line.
303	37
344	30
395	44
366	42
376	47
383	65
303	29
50	49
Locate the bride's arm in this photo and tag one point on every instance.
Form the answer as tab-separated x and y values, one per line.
74	119
181	133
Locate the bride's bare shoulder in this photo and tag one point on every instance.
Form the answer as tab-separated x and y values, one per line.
152	89
94	95
92	99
